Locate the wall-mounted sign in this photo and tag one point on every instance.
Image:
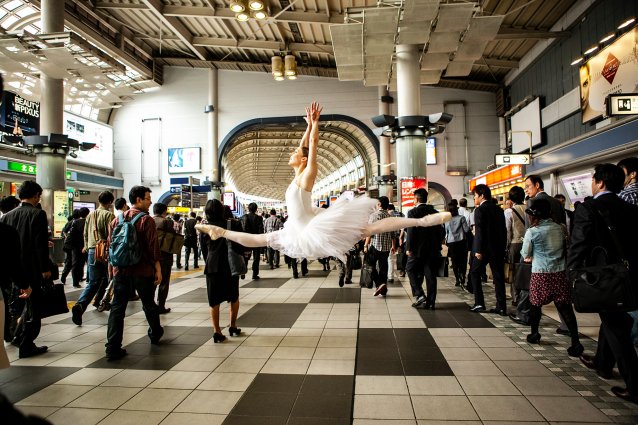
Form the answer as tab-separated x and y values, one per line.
622	104
507	159
184	160
613	70
229	199
60	211
24	168
499	176
408	186
87	131
578	187
430	151
19	114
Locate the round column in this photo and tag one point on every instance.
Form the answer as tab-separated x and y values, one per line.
384	147
213	134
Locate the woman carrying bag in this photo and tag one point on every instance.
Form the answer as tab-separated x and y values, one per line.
455	231
221	283
544	246
515	224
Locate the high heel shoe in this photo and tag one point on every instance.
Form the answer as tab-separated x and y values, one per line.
534	338
218	338
234	331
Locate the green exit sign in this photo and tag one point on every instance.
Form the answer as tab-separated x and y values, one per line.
21	167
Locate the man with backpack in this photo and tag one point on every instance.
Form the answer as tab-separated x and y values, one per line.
134	256
96	230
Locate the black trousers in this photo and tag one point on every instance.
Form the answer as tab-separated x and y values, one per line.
345	269
497	265
188	254
419	268
68	262
380	259
30	321
304	267
162	288
615	346
273	257
255	253
457	251
77	269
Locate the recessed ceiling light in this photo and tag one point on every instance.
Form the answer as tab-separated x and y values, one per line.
609	37
591	50
626	23
577	61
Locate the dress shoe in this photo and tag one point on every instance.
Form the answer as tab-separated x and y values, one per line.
341	282
32	351
534	338
575	350
498	311
518	320
381	290
155	339
256	278
624	394
419	302
295	276
243	276
76	314
477	308
116	355
164	310
348	281
390	280
196	266
565	332
186	268
588	361
77	286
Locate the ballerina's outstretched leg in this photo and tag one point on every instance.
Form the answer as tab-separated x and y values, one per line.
392	224
248	240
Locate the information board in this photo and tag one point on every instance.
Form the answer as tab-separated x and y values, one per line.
61	211
577	187
86	131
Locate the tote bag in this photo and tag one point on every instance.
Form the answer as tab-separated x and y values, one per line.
235	261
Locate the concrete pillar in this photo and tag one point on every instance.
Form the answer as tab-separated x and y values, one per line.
410	149
51	162
384	147
213	133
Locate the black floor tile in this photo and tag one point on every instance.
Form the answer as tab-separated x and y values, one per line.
93	317
266	282
254	420
166	349
264	404
421	354
319	421
125	362
453	315
162	362
337	295
317	273
194	339
427	368
414	338
19	382
319	385
326	406
198	295
377	338
276	383
271	315
379	367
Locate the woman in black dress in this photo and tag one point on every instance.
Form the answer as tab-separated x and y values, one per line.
221	285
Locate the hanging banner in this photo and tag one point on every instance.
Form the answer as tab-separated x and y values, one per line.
19	115
613	70
408	186
60	211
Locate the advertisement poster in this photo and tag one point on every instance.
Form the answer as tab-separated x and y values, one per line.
61	211
18	115
408	186
613	70
430	151
229	199
87	131
577	187
184	160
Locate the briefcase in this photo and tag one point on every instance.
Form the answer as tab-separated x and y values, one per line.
171	243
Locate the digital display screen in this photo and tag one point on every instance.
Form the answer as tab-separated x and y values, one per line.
430	151
87	131
77	205
184	160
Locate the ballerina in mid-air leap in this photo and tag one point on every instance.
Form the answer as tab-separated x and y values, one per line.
312	232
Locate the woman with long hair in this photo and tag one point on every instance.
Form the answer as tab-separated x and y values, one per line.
313	232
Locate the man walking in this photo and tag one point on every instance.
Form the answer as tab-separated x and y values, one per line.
143	276
272	224
380	246
77	247
32	226
253	223
190	240
96	228
489	248
164	226
423	248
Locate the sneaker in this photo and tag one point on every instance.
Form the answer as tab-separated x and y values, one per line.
477	308
419	301
76	314
381	290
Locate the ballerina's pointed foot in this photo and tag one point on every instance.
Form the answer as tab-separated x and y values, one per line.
214	232
435	219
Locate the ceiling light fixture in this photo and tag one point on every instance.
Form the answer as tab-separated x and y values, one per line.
242	16
577	61
259	14
256	4
238	5
591	50
290	64
626	23
277	67
609	37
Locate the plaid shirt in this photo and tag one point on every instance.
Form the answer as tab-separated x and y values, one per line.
630	193
382	241
272	224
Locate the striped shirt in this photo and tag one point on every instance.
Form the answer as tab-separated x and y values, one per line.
272	223
630	193
382	241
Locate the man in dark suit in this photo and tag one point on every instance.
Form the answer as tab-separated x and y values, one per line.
590	231
190	240
32	226
253	223
490	241
423	248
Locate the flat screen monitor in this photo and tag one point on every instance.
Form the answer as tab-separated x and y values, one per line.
577	187
430	151
184	160
77	205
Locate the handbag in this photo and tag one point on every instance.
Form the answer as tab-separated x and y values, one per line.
606	287
365	279
522	276
101	252
355	262
235	261
170	242
52	300
443	267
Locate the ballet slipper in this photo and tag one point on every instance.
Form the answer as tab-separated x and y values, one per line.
435	219
214	232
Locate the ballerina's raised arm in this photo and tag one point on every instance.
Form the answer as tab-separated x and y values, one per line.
306	170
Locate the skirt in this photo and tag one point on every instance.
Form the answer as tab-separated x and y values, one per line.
222	287
547	287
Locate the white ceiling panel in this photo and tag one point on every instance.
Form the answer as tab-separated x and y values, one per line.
443	42
433	61
471	50
380	20
484	28
420	10
431	76
454	16
459	69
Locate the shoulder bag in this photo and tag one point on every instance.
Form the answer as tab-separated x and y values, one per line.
606	287
366	277
236	261
101	253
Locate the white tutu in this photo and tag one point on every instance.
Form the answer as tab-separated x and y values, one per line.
312	232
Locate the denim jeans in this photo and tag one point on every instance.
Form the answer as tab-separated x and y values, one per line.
121	291
97	281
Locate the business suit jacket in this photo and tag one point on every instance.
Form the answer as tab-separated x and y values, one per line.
424	241
32	226
10	263
490	233
590	231
558	214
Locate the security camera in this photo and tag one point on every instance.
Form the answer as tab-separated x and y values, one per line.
87	146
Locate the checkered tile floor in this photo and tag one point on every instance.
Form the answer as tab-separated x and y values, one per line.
312	353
